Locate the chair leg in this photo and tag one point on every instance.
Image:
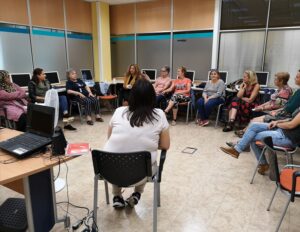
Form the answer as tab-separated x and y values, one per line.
283	214
158	194
96	179
274	193
106	192
187	113
155	202
255	170
80	112
218	115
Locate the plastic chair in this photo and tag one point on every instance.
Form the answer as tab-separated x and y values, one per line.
218	114
110	98
79	107
288	151
124	170
189	108
287	180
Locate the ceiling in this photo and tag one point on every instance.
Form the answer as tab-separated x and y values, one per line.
117	2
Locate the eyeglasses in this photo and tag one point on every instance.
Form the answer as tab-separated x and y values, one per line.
163	70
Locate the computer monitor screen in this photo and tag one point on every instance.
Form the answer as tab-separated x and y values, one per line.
21	79
52	77
190	74
223	76
262	78
150	72
40	119
86	74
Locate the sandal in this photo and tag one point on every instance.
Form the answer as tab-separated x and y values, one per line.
90	122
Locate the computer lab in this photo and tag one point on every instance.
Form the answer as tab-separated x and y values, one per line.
149	115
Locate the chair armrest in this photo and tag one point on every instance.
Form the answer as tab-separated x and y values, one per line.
163	155
295	176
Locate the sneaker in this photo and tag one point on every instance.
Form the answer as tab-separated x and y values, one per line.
67	118
118	202
133	199
69	127
173	123
231	144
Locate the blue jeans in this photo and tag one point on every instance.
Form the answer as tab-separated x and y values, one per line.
204	110
258	131
161	101
63	104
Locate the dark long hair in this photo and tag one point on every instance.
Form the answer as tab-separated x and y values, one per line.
141	103
36	72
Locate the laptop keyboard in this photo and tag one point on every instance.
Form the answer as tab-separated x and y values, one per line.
27	141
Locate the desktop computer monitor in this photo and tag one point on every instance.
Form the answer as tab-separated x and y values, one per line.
52	77
151	73
190	74
262	78
86	74
223	76
21	79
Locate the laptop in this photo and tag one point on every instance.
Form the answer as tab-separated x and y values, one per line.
40	128
21	79
87	77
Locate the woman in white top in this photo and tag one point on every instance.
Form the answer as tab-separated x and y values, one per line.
137	127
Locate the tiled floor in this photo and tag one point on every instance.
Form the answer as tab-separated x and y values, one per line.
206	191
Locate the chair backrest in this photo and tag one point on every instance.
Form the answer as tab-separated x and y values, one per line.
274	170
122	169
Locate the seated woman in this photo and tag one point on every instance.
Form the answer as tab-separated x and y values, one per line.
246	99
126	127
37	88
161	85
284	133
13	101
212	96
80	92
278	99
132	75
182	86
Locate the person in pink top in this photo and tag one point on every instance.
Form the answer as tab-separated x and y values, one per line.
13	102
182	89
161	85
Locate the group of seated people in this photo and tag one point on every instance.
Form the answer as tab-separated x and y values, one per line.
14	100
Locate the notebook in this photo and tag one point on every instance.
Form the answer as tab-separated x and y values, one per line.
40	128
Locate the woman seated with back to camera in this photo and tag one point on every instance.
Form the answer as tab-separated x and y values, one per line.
182	92
161	85
212	96
137	127
13	101
37	88
277	100
81	93
132	75
247	99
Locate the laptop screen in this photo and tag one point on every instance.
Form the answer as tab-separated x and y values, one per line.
263	78
86	74
21	79
151	73
52	77
190	74
40	120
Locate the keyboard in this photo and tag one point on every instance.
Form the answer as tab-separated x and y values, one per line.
27	141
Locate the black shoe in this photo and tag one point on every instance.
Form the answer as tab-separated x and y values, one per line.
228	127
133	199
118	202
69	127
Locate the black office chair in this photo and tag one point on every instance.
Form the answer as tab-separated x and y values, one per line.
125	170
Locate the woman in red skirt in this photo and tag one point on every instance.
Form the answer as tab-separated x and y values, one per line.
247	98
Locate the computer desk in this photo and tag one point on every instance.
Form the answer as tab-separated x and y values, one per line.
33	177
